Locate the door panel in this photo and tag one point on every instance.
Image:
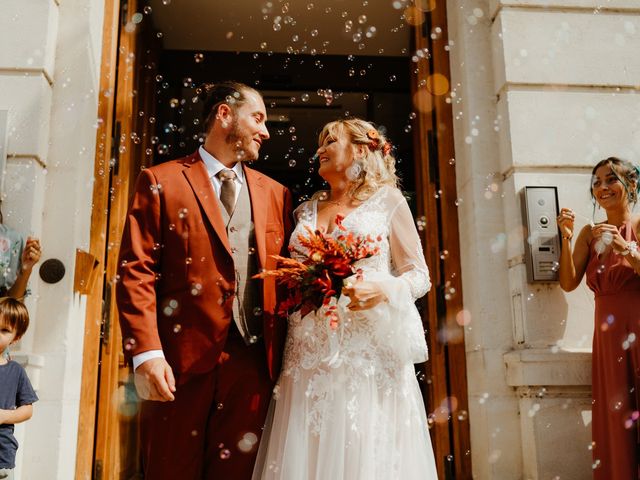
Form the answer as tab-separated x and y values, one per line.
116	432
445	382
98	244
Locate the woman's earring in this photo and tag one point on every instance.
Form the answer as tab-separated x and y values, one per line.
353	172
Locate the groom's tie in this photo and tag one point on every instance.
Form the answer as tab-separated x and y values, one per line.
227	189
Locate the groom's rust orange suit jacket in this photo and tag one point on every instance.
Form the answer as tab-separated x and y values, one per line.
176	274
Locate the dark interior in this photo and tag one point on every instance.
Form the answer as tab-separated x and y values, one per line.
301	92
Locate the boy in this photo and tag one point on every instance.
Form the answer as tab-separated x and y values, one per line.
16	392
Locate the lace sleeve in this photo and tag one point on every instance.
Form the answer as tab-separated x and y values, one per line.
397	320
407	256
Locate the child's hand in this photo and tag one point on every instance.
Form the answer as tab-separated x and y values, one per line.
31	253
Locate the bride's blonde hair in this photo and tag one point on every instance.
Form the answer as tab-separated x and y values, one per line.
376	167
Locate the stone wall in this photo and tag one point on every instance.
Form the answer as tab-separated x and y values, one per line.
49	74
542	91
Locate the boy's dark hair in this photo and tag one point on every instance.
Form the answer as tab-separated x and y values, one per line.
215	94
14	314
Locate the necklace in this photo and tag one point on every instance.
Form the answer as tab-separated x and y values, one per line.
343	202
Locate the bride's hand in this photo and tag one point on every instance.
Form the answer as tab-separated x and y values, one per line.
363	295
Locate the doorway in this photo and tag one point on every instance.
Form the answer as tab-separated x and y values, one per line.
314	62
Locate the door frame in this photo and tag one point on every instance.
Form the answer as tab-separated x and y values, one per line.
445	373
97	243
127	86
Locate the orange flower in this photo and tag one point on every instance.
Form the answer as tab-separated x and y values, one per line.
374	136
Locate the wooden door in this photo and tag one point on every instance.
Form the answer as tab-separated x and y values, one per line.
108	435
98	243
108	441
115	432
444	377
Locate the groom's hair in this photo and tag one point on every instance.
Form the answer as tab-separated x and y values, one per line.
215	94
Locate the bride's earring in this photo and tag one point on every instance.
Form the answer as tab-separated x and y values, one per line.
354	171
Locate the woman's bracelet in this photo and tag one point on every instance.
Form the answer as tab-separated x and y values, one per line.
631	247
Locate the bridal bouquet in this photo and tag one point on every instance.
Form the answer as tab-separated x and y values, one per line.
312	283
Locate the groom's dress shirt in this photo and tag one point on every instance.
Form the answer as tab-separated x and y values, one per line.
213	166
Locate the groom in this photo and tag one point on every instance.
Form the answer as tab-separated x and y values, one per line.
203	337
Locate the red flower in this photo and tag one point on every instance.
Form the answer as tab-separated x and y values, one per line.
339	220
340	266
324	284
314	282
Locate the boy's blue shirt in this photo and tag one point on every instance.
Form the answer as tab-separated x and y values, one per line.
15	391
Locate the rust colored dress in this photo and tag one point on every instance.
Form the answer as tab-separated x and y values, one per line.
616	363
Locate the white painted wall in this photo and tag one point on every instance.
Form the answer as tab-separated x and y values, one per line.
543	90
49	78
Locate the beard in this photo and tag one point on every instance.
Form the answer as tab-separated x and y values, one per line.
241	142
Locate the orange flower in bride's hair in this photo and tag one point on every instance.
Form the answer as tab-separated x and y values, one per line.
386	148
374	136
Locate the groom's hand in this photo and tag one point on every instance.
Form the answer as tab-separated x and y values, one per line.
154	380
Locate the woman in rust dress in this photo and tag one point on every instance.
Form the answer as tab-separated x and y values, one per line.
608	253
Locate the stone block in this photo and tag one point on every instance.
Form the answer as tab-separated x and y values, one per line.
487	373
548	367
595	6
569	128
23	195
28	35
495	437
556	432
560	47
28	101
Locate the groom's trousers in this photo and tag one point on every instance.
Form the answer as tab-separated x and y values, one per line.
212	428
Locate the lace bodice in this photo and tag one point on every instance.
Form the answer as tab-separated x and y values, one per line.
376	344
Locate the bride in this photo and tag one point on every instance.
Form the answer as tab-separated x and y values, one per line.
347	405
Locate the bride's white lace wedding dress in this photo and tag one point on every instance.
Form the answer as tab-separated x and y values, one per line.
347	405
